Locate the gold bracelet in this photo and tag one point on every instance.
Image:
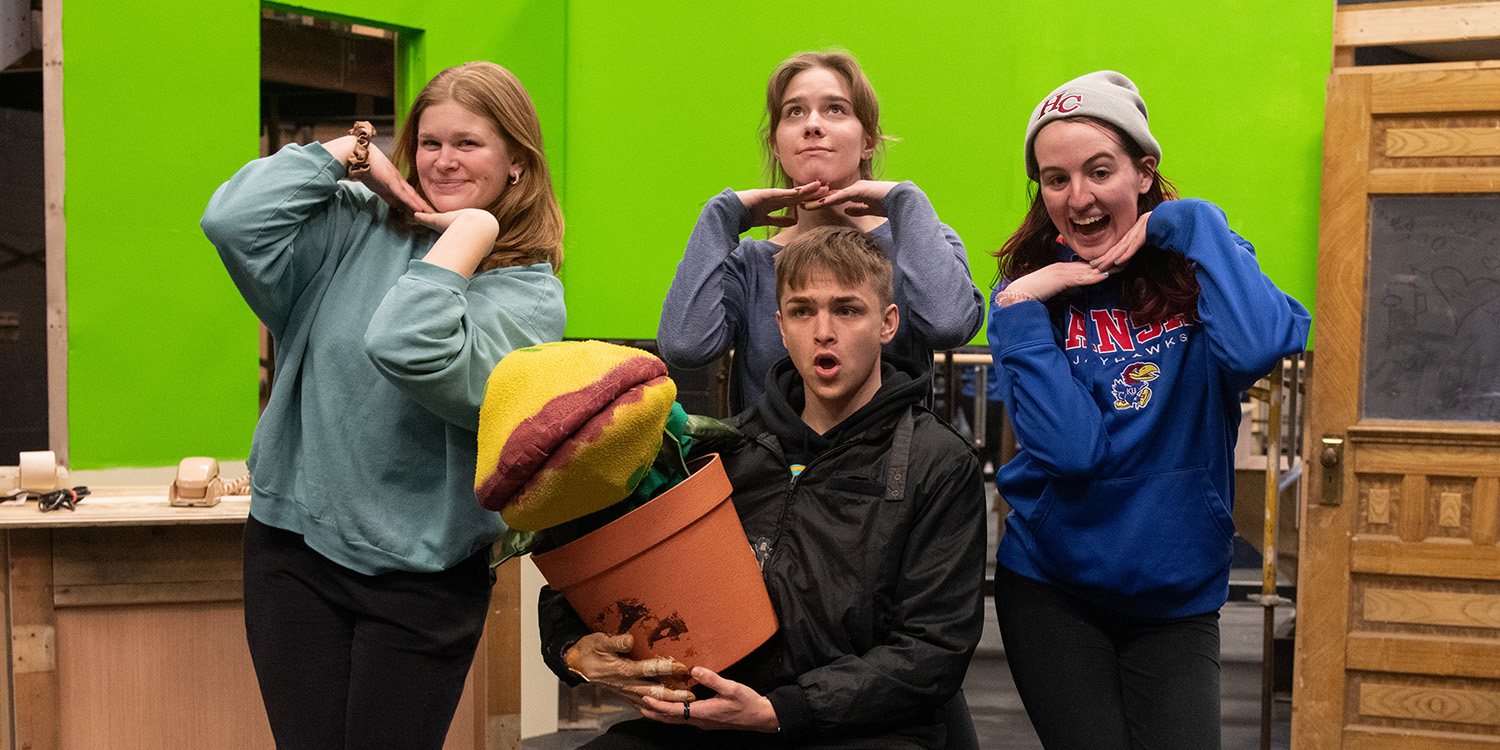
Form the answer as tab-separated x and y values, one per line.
359	158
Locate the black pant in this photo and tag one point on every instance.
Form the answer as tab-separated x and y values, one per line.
347	660
1099	680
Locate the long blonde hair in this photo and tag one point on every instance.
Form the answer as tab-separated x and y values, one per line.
531	223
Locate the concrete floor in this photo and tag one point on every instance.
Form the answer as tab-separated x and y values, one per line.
1002	723
999	717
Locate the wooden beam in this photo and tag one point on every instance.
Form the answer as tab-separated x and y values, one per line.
1435	180
55	184
1456	558
1442	656
1410	142
33	624
503	654
1383	460
1363	25
1358	737
1407	93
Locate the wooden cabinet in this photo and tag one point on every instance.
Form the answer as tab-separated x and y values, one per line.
126	630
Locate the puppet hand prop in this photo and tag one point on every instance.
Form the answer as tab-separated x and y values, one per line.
569	428
605	660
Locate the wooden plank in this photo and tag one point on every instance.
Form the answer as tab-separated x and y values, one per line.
1323	574
1422	3
1439	655
1409	142
33	649
1435	180
503	632
1470	463
1365	25
103	595
54	187
1414	432
1379	503
7	706
1428	703
1405	738
1417	607
172	677
36	692
1444	558
1413	507
1343	57
1424	67
147	555
1486	508
1434	91
1450	509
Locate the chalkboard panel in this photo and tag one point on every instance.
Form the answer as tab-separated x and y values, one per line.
1432	333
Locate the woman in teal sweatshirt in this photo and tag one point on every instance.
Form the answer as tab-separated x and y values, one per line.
391	297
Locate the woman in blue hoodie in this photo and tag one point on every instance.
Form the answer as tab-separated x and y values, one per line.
1125	326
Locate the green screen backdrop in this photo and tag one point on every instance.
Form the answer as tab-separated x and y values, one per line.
161	105
665	100
648	109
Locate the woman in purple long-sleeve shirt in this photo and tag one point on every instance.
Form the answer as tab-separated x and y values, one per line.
821	142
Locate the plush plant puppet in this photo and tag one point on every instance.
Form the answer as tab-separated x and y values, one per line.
575	434
569	428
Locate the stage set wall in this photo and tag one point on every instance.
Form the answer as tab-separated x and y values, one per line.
648	110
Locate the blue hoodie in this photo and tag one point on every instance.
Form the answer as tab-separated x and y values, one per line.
1121	489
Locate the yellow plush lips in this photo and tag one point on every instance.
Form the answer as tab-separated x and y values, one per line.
569	428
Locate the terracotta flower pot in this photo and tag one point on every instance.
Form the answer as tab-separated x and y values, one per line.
677	573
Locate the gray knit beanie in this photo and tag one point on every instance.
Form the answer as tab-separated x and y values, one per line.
1104	95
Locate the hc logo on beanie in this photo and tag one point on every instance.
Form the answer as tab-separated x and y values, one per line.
1103	95
1062	103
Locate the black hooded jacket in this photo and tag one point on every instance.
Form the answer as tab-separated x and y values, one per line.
875	570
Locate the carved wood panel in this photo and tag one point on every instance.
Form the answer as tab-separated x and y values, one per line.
1423	645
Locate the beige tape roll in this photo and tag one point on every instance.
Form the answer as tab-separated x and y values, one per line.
38	471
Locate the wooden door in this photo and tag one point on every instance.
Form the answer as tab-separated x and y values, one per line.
1398	619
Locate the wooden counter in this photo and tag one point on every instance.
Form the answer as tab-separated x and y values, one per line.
124	506
126	629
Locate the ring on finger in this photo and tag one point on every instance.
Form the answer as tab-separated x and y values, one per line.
687	712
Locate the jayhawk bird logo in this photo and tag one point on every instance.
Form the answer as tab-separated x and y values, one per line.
1130	389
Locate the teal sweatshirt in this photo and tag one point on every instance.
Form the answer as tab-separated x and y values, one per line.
367	446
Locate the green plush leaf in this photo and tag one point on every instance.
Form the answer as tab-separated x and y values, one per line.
707	435
513	543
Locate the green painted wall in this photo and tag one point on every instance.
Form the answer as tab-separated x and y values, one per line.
664	105
648	110
161	104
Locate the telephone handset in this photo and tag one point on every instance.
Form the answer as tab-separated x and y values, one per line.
198	484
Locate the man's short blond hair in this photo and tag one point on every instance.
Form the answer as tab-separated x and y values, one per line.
845	253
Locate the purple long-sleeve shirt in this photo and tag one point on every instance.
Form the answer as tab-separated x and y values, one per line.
724	293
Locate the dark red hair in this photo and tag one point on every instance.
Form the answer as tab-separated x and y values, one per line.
1155	286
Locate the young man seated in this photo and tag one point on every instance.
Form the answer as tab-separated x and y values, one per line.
867	515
